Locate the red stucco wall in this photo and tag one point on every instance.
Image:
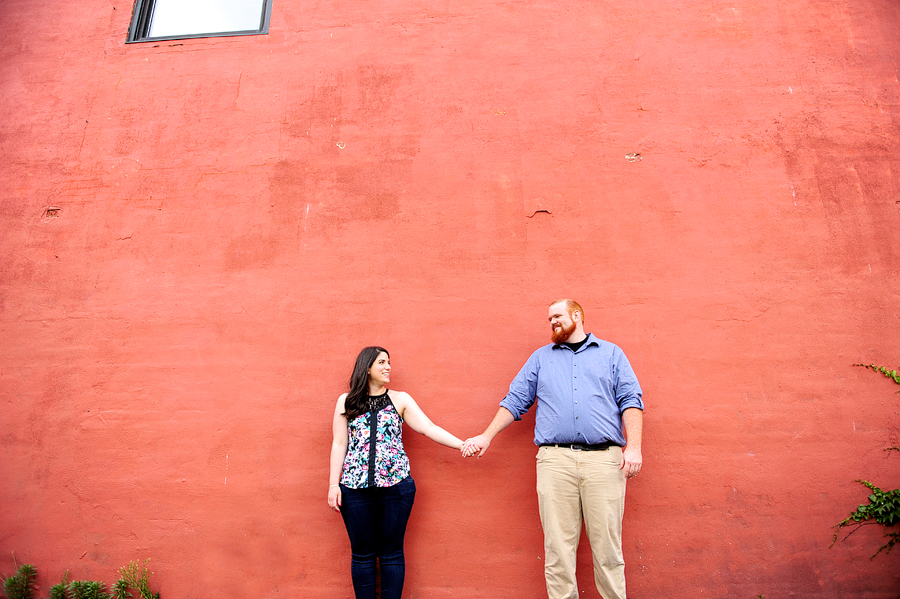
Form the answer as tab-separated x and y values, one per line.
238	216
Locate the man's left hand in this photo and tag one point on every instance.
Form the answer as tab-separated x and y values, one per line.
631	461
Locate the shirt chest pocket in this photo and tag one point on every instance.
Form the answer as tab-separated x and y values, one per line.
595	378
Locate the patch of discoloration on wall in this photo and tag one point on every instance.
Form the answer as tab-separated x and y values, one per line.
851	184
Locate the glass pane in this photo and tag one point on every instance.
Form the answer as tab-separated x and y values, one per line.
186	17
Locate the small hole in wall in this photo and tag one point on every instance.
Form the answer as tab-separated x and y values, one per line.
51	212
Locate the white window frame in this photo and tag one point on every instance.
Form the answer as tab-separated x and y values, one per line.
143	13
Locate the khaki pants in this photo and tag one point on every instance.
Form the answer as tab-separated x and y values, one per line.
575	484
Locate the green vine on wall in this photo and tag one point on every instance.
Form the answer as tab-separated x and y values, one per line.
884	506
891	374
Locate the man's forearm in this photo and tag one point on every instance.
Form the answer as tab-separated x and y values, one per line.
633	419
501	420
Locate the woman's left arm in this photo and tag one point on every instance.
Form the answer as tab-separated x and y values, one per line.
339	443
413	415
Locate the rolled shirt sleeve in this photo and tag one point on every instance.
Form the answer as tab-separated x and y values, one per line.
522	390
628	390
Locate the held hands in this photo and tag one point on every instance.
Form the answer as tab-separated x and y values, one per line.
475	446
466	450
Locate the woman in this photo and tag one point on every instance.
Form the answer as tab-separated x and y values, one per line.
369	483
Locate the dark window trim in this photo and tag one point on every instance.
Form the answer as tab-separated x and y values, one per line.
143	10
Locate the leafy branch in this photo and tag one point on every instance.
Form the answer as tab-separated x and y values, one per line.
883	508
891	374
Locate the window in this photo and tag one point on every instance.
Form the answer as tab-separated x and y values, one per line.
180	19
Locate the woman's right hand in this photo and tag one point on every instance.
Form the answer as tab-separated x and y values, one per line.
334	497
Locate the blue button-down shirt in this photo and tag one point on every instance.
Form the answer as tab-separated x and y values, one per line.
580	395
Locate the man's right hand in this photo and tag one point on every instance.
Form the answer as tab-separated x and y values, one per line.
475	446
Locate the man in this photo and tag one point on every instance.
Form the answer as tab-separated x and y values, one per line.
588	400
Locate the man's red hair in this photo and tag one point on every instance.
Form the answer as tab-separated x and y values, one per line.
571	306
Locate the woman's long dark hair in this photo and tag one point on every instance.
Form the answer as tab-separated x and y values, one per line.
357	400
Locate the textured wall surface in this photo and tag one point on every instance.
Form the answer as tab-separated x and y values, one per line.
198	236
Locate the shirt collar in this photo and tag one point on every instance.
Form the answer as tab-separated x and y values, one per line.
591	340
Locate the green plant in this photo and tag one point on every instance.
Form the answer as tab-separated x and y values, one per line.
891	374
883	508
58	591
86	589
120	589
21	584
137	577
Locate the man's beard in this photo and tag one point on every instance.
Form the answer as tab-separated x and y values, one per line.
562	333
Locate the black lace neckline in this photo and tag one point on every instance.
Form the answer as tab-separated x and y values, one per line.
376	402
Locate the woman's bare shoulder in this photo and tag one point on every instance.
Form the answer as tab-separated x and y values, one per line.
399	398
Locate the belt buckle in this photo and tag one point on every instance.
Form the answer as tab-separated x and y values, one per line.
577	447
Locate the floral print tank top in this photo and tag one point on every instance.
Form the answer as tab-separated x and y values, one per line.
375	454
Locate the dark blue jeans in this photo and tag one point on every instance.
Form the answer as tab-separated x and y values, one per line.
376	519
